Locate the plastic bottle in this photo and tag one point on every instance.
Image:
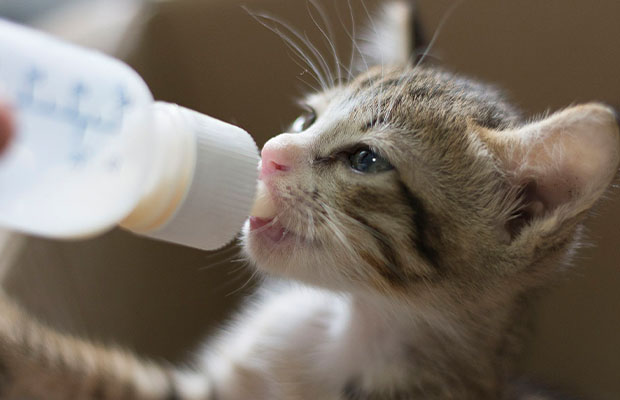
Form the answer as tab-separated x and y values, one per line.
93	150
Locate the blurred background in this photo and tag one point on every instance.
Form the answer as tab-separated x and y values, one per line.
211	55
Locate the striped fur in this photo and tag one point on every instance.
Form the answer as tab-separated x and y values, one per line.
408	284
39	363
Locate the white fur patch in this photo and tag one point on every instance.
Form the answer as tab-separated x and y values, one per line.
192	386
389	40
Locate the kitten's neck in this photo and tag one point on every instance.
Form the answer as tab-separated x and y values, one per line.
448	335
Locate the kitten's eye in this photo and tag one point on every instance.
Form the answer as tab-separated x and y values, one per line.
367	161
304	121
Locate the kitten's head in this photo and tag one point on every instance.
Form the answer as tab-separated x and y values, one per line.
409	177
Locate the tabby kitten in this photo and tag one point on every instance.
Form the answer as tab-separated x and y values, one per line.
416	215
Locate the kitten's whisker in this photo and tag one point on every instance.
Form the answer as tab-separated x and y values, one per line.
297	243
318	75
354	45
376	234
290	43
226	259
254	276
306	230
346	217
238	271
374	28
354	34
296	58
440	26
229	260
369	15
311	86
305	41
330	223
301	55
353	221
349	251
326	66
428	53
328	38
218	253
347	247
311	225
304	70
330	31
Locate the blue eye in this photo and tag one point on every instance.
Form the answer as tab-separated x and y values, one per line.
367	161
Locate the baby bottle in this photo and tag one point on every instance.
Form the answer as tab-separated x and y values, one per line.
93	150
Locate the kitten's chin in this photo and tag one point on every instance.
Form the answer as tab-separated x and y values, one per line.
291	256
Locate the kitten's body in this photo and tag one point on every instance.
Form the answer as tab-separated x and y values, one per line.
341	347
295	342
417	215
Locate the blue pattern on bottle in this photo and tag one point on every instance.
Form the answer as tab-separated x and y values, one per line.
72	113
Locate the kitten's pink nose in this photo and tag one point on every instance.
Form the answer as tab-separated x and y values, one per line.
279	155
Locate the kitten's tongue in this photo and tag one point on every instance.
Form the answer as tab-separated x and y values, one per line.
264	207
268	227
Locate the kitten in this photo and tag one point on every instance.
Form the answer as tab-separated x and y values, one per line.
417	213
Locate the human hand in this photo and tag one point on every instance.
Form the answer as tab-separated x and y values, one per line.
6	127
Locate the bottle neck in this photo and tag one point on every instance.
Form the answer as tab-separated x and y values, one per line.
173	148
203	180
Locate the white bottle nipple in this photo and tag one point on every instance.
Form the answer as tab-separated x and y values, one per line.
264	207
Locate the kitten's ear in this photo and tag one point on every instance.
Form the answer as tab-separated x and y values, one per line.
563	163
391	39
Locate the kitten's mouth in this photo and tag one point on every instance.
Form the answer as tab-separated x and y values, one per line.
263	220
264	223
269	228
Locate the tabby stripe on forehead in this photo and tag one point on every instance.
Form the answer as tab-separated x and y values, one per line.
421	224
389	267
